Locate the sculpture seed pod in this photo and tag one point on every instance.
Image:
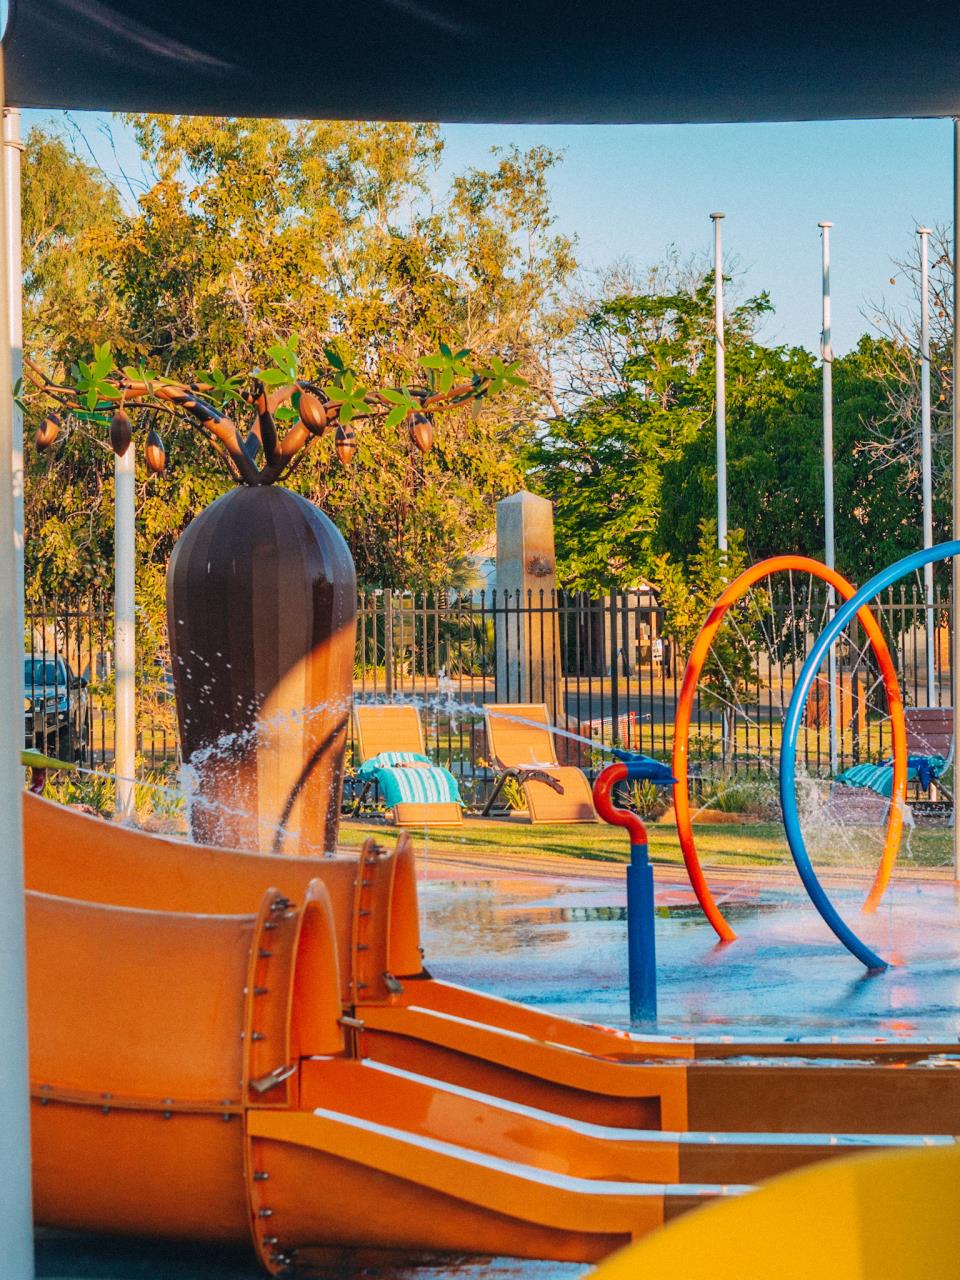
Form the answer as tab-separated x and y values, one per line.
312	413
421	432
155	454
346	443
48	431
121	433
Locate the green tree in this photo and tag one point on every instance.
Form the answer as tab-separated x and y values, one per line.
688	589
68	214
775	466
645	365
258	229
253	231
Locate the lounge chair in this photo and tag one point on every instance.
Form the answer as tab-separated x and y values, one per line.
418	792
929	755
522	745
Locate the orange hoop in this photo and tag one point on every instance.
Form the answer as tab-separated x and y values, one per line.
681	730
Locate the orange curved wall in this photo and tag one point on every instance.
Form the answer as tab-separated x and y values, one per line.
69	853
135	1049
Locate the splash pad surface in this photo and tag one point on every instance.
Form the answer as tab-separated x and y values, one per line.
561	943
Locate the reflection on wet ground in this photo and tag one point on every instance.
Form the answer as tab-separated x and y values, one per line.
561	942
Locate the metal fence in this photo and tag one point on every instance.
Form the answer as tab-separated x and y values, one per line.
606	667
69	686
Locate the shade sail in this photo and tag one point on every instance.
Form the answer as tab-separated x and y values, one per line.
489	60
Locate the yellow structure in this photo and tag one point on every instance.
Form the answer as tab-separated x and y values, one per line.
879	1217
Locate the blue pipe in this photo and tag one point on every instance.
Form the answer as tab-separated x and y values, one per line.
788	749
641	936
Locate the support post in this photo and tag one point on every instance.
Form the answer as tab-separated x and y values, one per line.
926	458
14	1077
12	151
955	631
124	630
721	383
641	934
829	556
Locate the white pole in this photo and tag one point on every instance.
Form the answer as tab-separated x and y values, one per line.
124	632
717	218
12	149
955	647
14	1077
926	455
826	354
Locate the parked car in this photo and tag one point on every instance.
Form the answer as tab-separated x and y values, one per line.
56	709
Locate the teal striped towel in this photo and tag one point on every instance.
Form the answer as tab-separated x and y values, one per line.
423	783
879	777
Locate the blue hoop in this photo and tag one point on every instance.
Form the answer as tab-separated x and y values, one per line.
791	728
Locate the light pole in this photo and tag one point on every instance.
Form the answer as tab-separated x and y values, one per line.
926	460
721	391
829	552
124	629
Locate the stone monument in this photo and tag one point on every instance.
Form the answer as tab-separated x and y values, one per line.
528	634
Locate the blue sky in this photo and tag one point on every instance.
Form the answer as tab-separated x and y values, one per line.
633	191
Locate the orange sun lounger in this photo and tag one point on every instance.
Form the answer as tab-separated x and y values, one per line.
522	746
382	729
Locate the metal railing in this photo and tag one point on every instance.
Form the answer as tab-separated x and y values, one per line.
605	667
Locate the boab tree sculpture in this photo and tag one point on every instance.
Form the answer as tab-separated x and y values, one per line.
261	589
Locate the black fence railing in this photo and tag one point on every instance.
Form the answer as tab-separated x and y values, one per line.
606	667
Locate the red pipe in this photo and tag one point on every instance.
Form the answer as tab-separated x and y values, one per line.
609	812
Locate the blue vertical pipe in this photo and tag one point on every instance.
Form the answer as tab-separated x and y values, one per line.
641	936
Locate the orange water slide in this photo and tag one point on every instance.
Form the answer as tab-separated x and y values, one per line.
400	1016
191	1078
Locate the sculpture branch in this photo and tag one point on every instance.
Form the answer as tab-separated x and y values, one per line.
101	389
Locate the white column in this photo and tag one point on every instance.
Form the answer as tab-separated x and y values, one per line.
721	391
955	647
12	149
124	633
926	456
829	554
14	1078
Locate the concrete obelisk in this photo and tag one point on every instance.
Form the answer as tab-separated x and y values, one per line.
528	634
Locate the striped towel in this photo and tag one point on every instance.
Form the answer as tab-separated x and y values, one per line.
406	777
386	759
879	777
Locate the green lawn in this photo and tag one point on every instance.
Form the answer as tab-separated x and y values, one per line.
749	845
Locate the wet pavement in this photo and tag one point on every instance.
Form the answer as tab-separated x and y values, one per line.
562	944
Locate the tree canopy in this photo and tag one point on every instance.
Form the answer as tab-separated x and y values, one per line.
632	465
252	231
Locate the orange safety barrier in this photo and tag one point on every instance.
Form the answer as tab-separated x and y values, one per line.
681	733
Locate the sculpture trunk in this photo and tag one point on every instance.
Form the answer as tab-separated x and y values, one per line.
261	611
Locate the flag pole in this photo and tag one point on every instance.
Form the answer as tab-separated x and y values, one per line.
829	553
721	385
